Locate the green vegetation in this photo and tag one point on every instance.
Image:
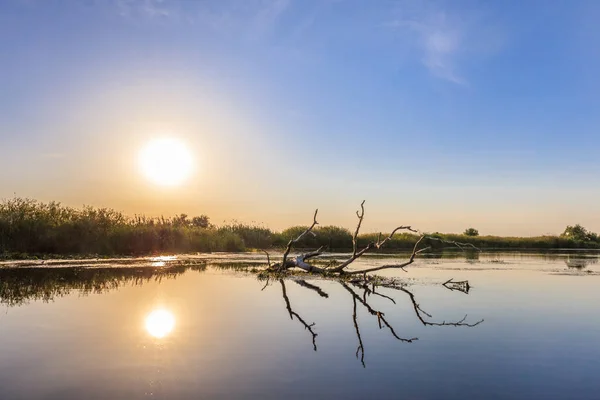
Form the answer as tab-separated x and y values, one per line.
471	232
580	234
29	228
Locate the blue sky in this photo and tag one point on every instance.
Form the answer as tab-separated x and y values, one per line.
440	114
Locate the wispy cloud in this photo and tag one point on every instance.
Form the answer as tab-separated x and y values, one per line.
145	8
443	39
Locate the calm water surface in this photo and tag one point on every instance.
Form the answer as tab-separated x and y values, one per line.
195	328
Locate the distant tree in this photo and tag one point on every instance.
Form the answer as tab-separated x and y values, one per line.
579	233
471	232
201	222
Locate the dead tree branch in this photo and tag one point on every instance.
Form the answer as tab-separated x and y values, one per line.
361	216
460	245
396	266
294	241
372	245
301	261
268	258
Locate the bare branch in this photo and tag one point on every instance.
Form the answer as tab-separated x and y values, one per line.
360	216
301	260
268	258
356	254
460	245
380	242
293	314
397	266
312	254
294	241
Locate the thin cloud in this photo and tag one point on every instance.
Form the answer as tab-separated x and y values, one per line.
443	39
439	41
144	8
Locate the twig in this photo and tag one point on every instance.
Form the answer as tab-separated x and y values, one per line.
360	216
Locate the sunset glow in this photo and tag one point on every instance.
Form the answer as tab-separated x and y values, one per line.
166	162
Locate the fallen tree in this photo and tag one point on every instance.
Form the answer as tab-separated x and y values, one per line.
303	261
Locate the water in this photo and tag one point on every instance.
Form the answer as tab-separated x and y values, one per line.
202	327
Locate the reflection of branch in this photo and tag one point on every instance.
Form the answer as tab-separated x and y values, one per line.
360	290
370	290
294	314
266	284
379	314
419	311
360	349
310	286
460	286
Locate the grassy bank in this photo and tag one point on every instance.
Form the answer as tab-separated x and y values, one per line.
28	227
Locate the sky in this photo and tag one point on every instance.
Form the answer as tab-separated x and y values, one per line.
442	115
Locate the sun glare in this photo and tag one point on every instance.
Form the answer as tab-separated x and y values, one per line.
166	161
159	323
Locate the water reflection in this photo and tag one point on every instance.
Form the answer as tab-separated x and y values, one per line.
18	286
360	290
580	262
161	261
230	340
159	323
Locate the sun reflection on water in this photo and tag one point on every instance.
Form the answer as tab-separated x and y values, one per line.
159	323
161	261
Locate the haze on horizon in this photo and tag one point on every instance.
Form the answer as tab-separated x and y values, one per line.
442	115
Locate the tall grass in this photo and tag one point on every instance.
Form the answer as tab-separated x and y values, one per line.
31	227
28	226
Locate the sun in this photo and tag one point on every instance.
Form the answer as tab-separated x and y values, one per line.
159	323
166	161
